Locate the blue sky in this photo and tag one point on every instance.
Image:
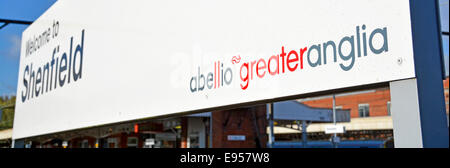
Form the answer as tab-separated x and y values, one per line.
11	35
30	10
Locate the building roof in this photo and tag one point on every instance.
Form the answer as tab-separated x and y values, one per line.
293	111
207	114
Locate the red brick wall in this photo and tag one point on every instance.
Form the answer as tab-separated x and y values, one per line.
239	122
184	134
377	102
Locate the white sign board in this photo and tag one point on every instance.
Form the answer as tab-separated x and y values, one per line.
334	129
149	141
87	63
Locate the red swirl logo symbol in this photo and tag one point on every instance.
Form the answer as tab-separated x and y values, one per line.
235	59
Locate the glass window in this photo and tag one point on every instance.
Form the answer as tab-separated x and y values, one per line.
363	110
132	142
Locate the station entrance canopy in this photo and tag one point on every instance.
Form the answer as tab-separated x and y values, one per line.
296	111
90	63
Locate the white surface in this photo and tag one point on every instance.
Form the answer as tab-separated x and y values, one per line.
149	141
406	114
139	56
331	129
356	124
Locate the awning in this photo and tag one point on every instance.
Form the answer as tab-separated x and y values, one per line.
356	124
296	111
207	114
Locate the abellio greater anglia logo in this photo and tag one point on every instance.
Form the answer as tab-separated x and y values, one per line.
361	45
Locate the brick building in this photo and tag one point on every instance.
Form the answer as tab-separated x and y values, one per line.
369	103
249	123
369	110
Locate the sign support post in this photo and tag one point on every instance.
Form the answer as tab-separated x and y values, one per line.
271	134
418	105
304	134
334	122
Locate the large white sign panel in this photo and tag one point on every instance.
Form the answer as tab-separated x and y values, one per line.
87	63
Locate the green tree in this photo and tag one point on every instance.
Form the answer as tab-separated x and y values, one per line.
7	105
